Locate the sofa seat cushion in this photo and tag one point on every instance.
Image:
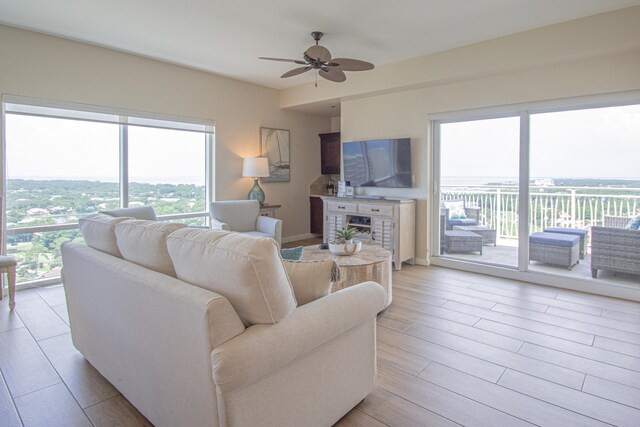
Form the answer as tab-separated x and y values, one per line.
246	270
310	279
99	233
145	243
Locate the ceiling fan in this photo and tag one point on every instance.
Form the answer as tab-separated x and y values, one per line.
318	58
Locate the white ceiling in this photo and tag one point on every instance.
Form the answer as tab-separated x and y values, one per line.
226	37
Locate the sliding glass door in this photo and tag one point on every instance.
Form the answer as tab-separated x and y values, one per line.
479	190
541	190
585	187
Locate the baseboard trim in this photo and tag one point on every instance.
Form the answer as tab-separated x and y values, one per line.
289	239
422	261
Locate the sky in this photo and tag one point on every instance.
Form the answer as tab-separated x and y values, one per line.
595	143
45	148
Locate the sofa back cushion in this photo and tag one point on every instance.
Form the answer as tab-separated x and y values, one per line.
247	270
240	215
145	243
98	231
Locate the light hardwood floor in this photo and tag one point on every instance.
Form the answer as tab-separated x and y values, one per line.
453	348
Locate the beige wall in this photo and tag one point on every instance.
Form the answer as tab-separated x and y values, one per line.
406	113
45	67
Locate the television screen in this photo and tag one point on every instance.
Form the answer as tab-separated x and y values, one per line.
381	163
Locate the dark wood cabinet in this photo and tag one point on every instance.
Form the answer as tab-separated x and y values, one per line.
317	220
330	153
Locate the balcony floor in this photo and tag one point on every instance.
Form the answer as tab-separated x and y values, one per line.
506	254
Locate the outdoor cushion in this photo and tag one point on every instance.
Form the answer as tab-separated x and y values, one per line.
554	239
145	243
246	270
456	209
99	233
634	224
566	230
464	221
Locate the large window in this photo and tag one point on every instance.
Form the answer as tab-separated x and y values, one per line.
62	164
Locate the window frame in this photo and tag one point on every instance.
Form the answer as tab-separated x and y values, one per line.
124	119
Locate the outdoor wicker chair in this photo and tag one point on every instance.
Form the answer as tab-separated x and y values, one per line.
615	248
472	215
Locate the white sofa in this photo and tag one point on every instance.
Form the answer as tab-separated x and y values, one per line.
185	355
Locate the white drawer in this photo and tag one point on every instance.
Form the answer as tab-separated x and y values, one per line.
343	207
382	210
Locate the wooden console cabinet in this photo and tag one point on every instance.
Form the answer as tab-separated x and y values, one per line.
386	223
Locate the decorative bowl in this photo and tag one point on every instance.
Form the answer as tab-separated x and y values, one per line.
345	249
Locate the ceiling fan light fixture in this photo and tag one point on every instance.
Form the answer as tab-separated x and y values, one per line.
318	58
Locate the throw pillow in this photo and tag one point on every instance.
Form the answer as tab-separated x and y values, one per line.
634	224
311	279
292	254
456	209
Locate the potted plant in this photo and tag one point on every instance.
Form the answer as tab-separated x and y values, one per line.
344	244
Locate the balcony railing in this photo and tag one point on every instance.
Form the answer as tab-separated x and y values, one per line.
576	207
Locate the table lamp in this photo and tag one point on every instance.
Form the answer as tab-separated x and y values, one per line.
256	167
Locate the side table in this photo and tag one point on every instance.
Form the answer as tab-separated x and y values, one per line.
372	263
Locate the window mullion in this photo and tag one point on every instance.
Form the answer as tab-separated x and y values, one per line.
124	166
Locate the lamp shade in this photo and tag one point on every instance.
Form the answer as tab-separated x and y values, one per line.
255	167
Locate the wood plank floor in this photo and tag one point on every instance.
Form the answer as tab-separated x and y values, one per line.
454	348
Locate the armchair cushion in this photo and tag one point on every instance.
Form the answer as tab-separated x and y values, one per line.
248	271
145	243
462	221
240	215
634	224
99	233
310	279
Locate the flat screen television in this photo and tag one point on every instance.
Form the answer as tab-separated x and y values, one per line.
379	163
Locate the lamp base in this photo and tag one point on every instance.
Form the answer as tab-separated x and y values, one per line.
256	193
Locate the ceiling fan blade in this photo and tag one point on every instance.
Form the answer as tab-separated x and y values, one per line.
333	74
348	64
295	72
295	61
319	53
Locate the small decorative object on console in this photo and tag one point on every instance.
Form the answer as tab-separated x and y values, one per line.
342	188
344	244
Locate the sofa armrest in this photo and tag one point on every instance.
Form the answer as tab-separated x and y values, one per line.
262	349
270	226
219	225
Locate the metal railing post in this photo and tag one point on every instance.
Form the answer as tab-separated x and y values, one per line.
573	208
498	212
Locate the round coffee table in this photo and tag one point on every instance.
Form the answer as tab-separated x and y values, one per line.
370	264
